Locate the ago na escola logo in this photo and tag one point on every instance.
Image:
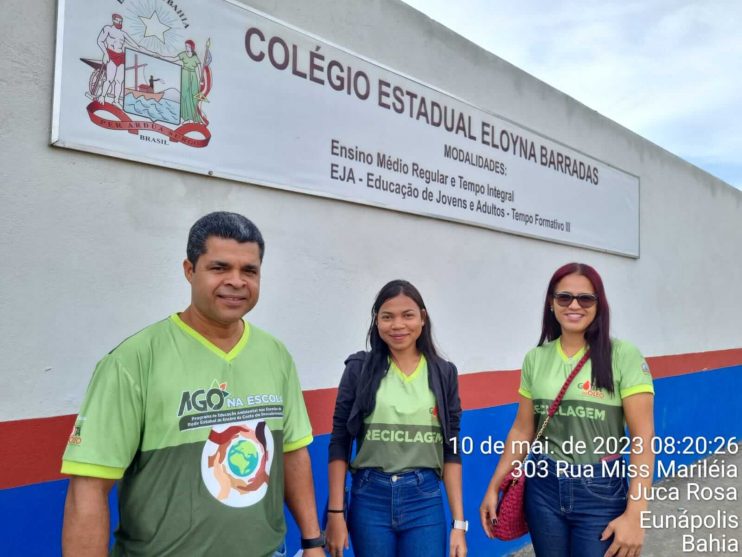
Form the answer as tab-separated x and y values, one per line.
236	458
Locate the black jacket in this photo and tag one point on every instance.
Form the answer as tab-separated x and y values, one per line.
347	422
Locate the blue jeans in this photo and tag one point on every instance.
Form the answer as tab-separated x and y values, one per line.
568	511
397	514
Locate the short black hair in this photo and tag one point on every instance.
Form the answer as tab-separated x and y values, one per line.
222	224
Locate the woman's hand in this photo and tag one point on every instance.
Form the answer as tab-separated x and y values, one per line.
488	510
628	536
336	534
458	543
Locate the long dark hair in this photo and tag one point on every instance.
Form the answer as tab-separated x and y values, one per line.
377	364
597	334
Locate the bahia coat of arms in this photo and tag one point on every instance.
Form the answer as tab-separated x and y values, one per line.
149	76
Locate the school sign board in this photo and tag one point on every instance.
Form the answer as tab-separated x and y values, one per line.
213	87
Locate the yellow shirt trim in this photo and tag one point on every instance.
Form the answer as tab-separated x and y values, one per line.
91	470
525	393
411	376
580	353
303	442
636	389
229	356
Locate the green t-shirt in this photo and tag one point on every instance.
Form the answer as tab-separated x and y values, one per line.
588	415
197	437
403	431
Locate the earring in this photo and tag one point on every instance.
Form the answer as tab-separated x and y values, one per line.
551	308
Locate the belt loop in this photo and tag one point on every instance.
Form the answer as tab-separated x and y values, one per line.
419	475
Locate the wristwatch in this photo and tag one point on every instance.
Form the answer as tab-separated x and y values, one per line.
311	543
460	525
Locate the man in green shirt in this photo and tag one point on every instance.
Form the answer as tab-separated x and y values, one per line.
201	418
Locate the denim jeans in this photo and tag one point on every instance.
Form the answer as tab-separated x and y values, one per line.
568	511
397	514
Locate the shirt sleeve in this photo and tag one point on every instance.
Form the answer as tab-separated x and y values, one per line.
632	370
454	417
107	432
297	429
341	440
526	377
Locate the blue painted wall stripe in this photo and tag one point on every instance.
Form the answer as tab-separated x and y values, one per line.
693	405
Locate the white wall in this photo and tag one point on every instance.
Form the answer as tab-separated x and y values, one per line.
92	246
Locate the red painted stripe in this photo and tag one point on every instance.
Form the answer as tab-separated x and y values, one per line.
492	388
31	450
320	407
488	388
669	366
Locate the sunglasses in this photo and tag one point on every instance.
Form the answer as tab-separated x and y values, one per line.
564	299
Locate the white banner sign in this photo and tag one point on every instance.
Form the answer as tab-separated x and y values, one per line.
215	88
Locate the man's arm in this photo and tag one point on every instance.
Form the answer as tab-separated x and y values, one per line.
86	529
299	495
136	46
131	42
102	36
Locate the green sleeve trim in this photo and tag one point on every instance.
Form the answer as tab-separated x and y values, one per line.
303	442
91	470
637	389
525	393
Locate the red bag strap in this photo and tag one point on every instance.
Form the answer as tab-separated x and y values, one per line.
558	400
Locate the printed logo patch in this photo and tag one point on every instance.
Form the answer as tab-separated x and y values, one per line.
75	438
585	389
236	461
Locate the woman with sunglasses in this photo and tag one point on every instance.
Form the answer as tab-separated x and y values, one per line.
576	498
400	403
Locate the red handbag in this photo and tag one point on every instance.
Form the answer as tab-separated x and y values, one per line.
511	515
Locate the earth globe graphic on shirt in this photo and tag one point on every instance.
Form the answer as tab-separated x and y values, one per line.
243	458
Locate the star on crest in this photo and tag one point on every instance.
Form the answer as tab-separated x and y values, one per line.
153	27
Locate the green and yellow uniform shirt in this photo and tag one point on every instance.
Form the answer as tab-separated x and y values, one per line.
197	437
586	414
403	431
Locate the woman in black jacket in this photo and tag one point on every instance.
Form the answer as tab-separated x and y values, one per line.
400	403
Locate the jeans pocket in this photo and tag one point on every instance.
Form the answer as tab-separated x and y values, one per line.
430	486
359	484
608	489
